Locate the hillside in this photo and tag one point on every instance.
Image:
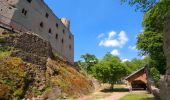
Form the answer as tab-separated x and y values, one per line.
29	69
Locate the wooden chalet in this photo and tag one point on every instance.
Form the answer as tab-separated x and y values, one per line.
139	79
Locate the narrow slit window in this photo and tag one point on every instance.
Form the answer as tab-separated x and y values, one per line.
41	25
29	1
57	25
46	15
62	41
49	31
56	36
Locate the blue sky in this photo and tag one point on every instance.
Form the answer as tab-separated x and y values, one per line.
101	26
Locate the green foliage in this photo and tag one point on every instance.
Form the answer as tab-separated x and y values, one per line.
13	76
89	61
156	75
143	5
150	42
154	18
109	69
134	64
5	51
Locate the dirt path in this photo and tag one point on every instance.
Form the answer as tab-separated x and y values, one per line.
116	95
104	96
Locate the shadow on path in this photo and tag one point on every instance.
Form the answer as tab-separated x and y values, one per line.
115	90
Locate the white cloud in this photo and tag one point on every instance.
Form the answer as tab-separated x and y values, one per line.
115	52
124	60
112	34
132	47
100	35
113	41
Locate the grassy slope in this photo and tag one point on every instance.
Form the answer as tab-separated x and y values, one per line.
13	76
69	80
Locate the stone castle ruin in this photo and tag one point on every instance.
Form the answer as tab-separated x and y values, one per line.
34	16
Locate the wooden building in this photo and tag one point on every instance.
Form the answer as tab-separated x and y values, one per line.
139	79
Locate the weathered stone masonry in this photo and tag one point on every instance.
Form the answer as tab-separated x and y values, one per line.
36	17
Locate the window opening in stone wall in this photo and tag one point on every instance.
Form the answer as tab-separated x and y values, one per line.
10	7
46	15
24	11
56	36
63	31
49	31
70	37
70	47
62	41
29	1
41	25
57	25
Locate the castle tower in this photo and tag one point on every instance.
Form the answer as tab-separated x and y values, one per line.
66	22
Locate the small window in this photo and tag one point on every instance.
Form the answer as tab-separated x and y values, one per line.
62	41
24	11
46	15
70	37
29	1
57	25
49	31
10	7
63	31
41	25
56	36
70	47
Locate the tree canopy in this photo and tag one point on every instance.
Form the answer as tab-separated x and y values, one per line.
89	61
150	41
109	69
143	5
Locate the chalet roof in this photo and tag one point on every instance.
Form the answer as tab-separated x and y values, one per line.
136	72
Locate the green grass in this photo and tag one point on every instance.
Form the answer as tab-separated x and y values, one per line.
4	54
137	96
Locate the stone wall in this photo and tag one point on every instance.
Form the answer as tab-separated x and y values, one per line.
38	18
165	83
30	47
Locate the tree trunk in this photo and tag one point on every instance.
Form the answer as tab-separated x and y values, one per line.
165	83
111	86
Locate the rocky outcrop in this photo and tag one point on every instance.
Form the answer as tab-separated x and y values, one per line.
165	83
30	71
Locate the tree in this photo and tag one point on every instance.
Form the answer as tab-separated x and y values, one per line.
89	61
134	64
150	41
143	5
109	69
